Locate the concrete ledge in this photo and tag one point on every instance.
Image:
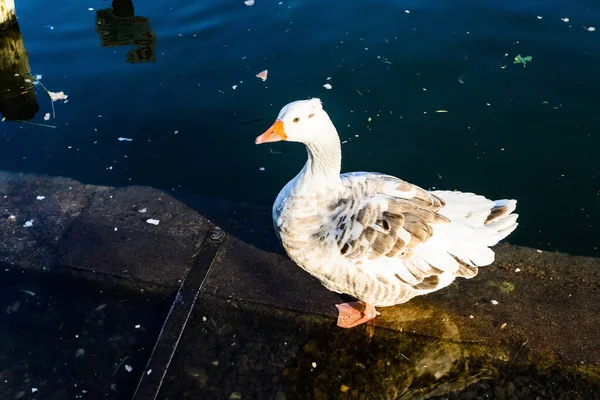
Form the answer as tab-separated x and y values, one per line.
550	308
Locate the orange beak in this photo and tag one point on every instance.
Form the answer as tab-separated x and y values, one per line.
274	134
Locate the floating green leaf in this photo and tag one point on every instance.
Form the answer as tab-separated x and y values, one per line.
522	60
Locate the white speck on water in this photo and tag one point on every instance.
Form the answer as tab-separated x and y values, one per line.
564	19
249	3
128	368
138	326
46	116
33	390
143	210
176	132
116	229
28	224
328	78
261	169
91	9
234	87
124	139
591	29
327	86
494	302
153	221
40	197
149	371
29	292
539	17
407	11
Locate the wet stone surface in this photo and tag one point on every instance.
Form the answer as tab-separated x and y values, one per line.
64	337
35	213
238	350
135	232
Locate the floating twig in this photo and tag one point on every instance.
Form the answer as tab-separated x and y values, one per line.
34	123
47	93
119	366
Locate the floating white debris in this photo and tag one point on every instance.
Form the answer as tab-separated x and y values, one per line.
564	19
138	326
46	116
234	87
143	210
176	132
407	11
327	86
28	224
261	169
128	368
249	3
40	197
91	9
591	29
149	371
328	78
124	139
539	17
33	390
116	229
494	302
58	96
153	221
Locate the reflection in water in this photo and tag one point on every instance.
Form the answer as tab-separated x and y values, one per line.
385	365
17	95
117	26
235	348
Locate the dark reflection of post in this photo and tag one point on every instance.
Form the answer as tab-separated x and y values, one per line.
17	95
117	26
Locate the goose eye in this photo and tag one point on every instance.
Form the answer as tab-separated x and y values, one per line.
296	119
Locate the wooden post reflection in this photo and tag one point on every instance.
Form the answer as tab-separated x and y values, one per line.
8	16
118	26
17	95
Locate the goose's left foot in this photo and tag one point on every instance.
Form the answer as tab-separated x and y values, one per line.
355	313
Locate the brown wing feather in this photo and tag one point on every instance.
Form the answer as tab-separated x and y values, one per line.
383	209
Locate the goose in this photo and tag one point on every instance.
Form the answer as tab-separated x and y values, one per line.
372	236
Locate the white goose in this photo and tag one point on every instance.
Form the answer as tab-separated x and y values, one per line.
373	236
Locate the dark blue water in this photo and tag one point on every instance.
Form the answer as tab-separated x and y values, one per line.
529	133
